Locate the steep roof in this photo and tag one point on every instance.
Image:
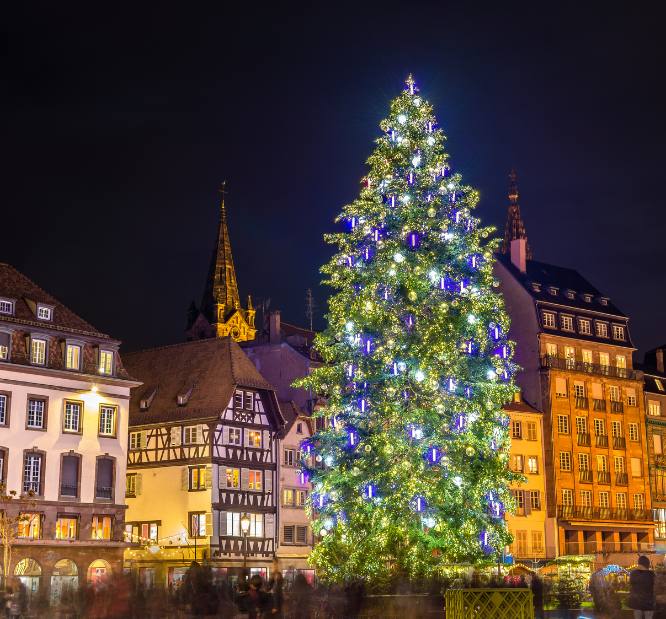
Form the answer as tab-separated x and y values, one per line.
514	227
26	294
205	371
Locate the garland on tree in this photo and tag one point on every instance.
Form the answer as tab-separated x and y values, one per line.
411	470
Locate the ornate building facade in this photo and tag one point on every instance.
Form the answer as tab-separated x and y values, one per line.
64	400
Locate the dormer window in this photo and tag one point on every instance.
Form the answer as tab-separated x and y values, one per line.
603	300
571	294
585	327
549	320
238	399
73	357
536	286
7	307
106	362
249	400
567	323
184	396
553	290
5	341
587	298
147	399
602	329
37	351
618	332
44	312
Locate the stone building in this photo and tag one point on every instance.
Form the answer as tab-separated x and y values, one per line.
575	349
64	399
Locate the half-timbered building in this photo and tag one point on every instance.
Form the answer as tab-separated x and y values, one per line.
202	461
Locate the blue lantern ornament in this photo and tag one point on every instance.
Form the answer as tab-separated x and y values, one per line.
413	240
419	504
495	331
433	455
484	540
370	492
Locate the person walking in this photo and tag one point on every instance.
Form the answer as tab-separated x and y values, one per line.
277	594
641	590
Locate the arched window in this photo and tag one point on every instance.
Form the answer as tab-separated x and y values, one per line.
98	571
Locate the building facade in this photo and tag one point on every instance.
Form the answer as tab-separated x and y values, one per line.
575	349
64	400
527	523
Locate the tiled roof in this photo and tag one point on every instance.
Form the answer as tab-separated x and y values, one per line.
210	368
548	276
26	294
291	412
520	407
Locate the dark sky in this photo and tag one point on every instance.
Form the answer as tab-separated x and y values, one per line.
120	125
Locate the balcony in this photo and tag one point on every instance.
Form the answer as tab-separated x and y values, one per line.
619	442
585	477
581	402
617	407
559	363
103	493
69	490
603	477
601	440
599	405
660	461
621	479
583	439
592	547
579	512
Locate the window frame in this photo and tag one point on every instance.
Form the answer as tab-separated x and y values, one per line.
516	429
254	473
67	497
235	430
33	340
39	398
567	323
72	518
114	473
633	432
618	332
200	475
72	345
292	459
102	366
48	309
256	434
601	328
6	396
78	403
102	517
12	306
190	521
114	422
40	524
42	471
547	317
235	472
584	326
142	440
565	459
533	470
567	430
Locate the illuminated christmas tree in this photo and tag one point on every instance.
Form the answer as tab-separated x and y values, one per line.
410	473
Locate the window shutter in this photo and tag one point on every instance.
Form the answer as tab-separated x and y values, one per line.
201	434
635	467
245	479
246	437
267	439
138	484
268	482
225	435
185	478
560	385
223	523
527	501
656	440
288	534
209	477
209	524
269	526
176	436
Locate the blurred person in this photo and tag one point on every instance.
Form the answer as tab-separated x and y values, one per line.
641	590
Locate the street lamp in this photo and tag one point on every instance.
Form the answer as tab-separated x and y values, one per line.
245	529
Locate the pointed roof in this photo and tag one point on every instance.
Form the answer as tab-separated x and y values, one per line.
221	287
515	228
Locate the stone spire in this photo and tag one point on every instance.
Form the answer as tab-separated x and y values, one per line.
515	228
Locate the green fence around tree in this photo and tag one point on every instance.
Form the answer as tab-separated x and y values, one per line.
489	604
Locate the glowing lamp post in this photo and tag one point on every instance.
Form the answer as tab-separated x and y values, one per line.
245	529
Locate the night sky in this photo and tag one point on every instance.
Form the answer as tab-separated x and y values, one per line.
120	125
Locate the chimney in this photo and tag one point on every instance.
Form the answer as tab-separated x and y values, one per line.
274	327
519	254
659	355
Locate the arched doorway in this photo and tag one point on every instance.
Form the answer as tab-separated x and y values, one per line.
29	573
98	571
64	580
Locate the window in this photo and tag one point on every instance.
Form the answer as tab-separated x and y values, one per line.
37	351
232	478
299	428
631	397
563	424
106	362
149	531
517	463
567	323
565	461
621	500
289	497
131	485
238	400
600	427
535	500
44	313
581	425
567	497
107	420
72	420
586	498
533	464
29	525
66	527
198	524
249	401
659	384
604	359
136	440
636	470
621	362
551	349
6	306
197	478
4	408
69	476
618	332
104	479
570	356
4	346
657	444
604	499
233	524
602	329
520	543
302	535
191	435
32	473
619	465
3	460
288	534
583	462
73	357
654	408
579	390
560	387
639	501
602	463
254	481
289	457
585	327
234	436
614	392
537	542
516	429
531	431
101	527
633	432
549	320
587	356
301	496
616	428
254	438
256	525
36	414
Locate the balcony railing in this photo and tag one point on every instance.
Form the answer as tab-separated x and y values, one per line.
592	547
585	477
603	513
103	493
660	461
67	490
560	363
599	405
601	440
617	407
603	477
583	439
619	442
621	479
581	402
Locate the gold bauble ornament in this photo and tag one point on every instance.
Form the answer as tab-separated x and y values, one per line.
470	451
432	212
412	296
368	448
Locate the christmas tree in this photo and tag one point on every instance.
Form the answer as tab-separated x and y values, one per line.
410	471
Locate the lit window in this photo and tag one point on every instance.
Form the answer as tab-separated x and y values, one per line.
37	351
73	357
254	438
633	432
531	431
565	461
619	464
66	527
256	525
29	525
288	457
602	463
567	323
106	362
249	400
571	294
516	429
551	349
232	478
101	527
604	359
197	478
583	462
107	420
639	501
254	481
234	436
6	306
563	424
72	421
3	410
535	499
602	329
586	498
621	500
587	356
44	313
289	497
191	435
604	499
136	440
533	464
659	384
4	345
149	531
618	332
614	392
620	361
36	410
518	464
654	408
198	524
549	320
567	497
301	496
585	327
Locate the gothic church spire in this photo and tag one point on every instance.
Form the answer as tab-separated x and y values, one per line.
515	228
